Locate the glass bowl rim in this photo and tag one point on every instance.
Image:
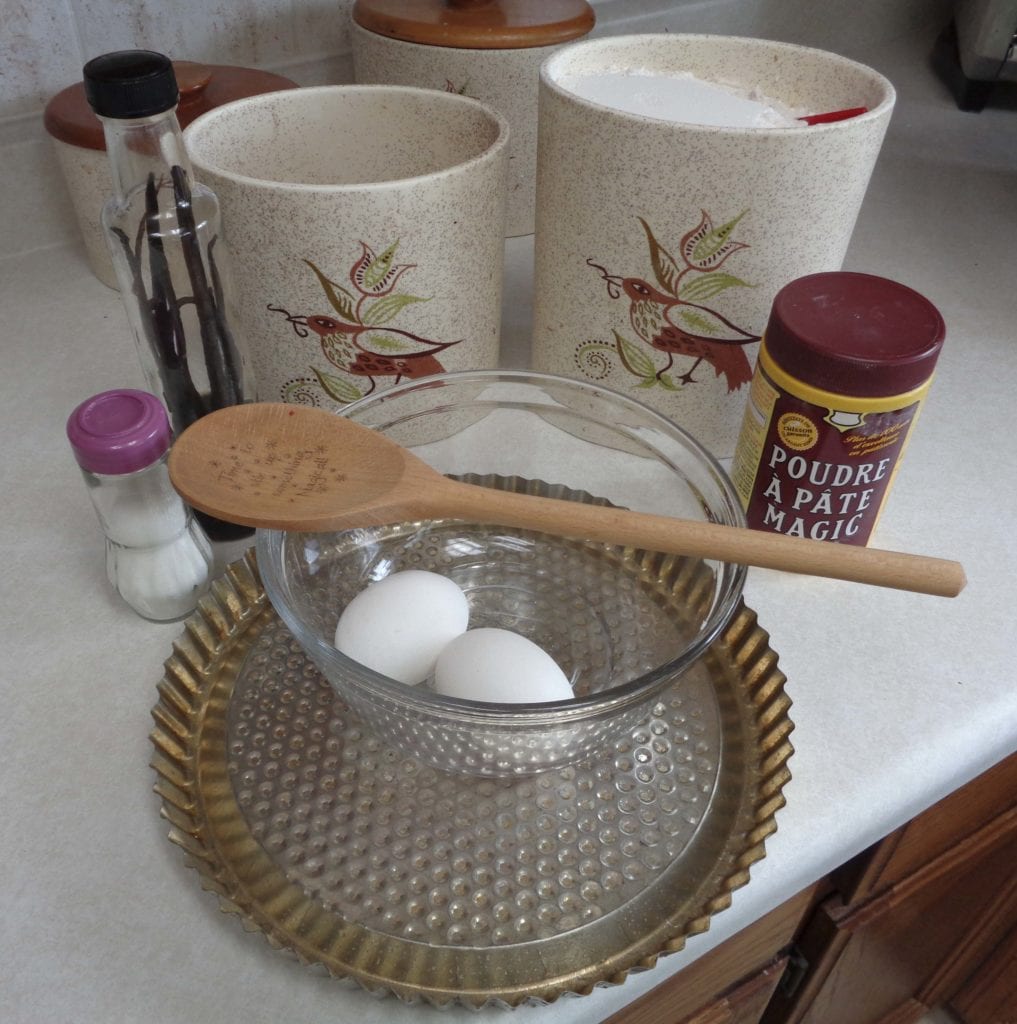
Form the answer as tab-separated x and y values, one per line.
522	715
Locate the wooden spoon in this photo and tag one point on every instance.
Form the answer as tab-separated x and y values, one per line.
287	467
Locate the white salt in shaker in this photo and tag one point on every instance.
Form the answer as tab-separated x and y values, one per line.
157	556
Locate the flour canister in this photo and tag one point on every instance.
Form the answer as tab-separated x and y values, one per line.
488	49
844	366
660	243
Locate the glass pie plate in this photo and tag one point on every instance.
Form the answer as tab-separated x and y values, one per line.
450	888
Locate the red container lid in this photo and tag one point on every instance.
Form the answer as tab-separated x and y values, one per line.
477	24
854	334
203	87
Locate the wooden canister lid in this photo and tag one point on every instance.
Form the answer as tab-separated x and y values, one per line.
70	119
477	24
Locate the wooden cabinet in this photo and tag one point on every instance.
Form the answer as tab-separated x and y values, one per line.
926	917
745	1003
733	983
990	994
917	921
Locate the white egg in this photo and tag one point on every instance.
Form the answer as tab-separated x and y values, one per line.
400	624
499	665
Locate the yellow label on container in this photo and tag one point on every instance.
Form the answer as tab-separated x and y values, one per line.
758	411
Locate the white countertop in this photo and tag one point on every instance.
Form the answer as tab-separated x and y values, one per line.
898	698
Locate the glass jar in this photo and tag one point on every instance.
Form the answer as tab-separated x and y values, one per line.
163	230
158	558
80	143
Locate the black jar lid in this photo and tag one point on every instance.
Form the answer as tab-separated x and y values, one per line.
854	334
130	83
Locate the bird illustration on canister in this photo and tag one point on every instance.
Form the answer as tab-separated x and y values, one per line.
669	318
372	352
356	338
653	316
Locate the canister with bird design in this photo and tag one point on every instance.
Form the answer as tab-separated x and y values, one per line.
660	243
844	366
490	50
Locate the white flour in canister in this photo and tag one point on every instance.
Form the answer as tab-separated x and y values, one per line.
683	97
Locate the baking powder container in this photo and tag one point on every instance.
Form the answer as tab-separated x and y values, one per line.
843	369
81	145
488	49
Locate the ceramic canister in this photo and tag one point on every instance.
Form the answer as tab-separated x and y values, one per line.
491	50
366	225
661	244
81	147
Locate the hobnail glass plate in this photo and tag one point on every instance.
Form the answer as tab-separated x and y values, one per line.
446	887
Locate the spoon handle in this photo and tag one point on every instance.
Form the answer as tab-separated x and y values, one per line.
899	570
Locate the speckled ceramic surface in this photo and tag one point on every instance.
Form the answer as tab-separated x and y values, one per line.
87	174
660	245
366	225
507	79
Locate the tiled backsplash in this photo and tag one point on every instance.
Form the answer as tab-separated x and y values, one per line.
44	43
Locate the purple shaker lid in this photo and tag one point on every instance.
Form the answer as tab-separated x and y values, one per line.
118	431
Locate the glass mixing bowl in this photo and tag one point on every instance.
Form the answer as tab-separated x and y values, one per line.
622	623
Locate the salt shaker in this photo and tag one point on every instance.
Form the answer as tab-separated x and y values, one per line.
157	556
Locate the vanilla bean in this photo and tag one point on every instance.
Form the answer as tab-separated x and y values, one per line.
176	387
185	404
230	351
140	296
223	382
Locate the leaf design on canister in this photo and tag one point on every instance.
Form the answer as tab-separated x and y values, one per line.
706	247
339	298
706	286
377	275
389	343
633	358
337	387
706	323
665	267
386	308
